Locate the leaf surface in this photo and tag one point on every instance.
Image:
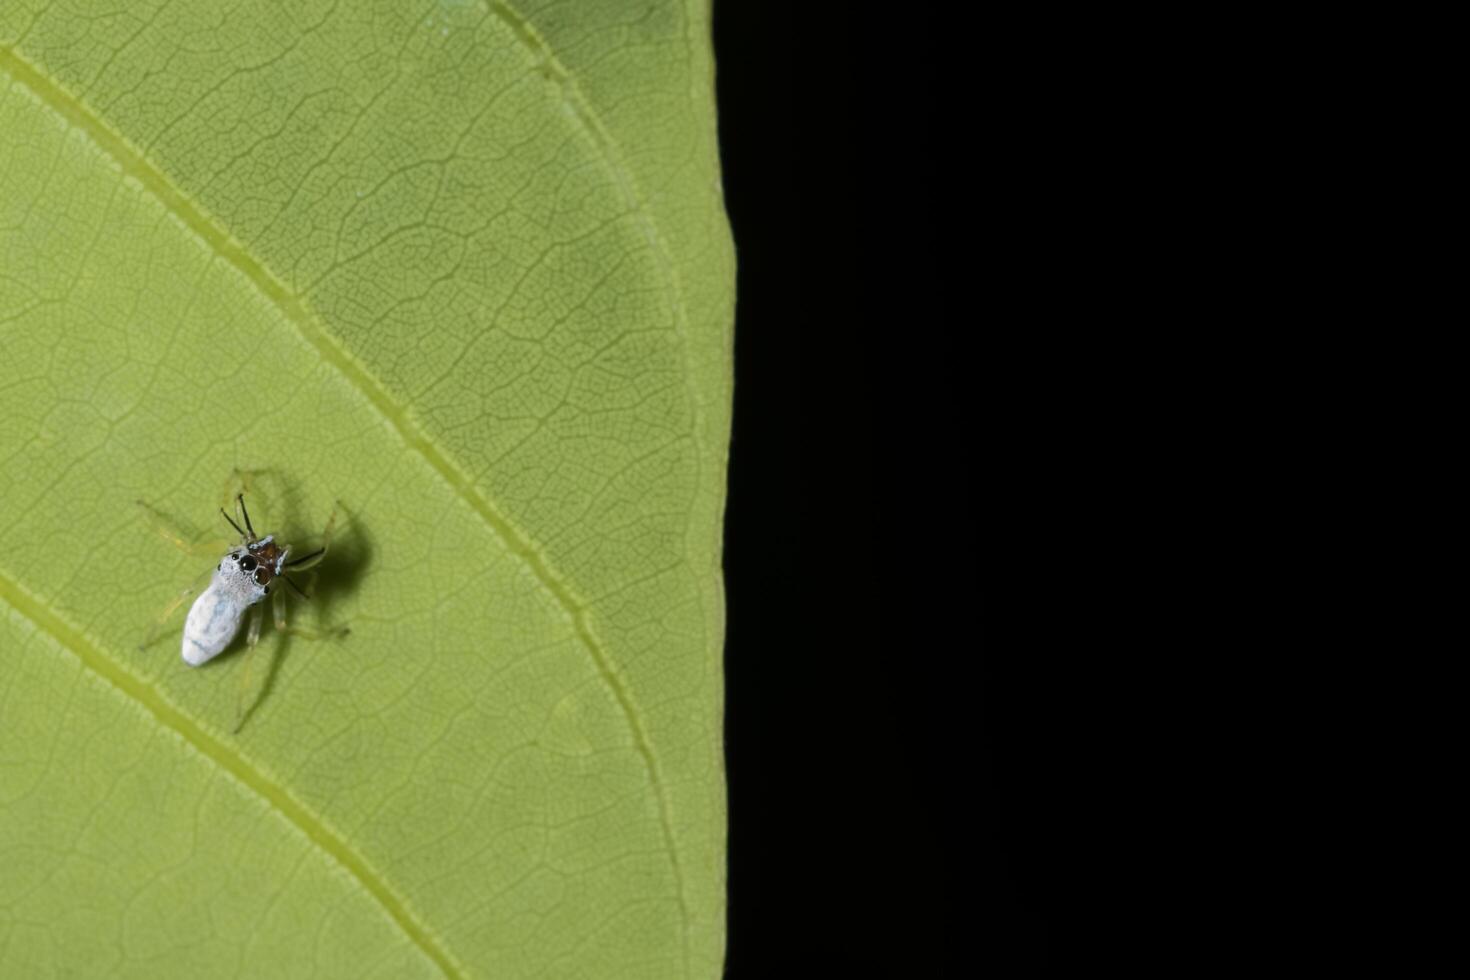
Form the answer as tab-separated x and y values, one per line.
463	268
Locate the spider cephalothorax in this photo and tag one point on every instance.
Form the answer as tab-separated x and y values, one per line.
260	562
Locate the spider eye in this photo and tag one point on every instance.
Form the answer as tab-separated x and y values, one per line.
260	578
234	557
248	563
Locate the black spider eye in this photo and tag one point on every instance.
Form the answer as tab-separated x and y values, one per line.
260	576
266	590
248	563
234	558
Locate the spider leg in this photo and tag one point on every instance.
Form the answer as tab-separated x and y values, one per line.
316	557
252	640
245	514
278	618
238	482
160	621
278	611
181	537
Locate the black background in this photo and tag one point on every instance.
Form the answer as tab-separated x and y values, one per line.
764	540
864	824
889	814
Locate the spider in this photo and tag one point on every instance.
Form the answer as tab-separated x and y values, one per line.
239	584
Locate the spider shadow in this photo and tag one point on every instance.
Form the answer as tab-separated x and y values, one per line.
337	577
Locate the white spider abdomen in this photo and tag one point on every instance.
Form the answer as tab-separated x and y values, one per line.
213	621
216	615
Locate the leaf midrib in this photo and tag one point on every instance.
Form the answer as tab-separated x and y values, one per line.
308	324
232	763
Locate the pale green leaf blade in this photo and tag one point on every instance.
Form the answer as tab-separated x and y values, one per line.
465	269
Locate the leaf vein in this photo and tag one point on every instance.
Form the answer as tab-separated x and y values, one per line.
112	671
309	326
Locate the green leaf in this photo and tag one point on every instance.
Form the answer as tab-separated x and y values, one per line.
464	268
